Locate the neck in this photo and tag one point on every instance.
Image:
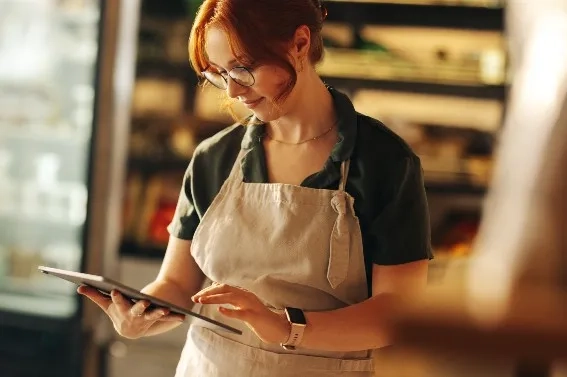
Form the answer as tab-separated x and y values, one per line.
312	111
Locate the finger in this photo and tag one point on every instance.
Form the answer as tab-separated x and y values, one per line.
216	289
139	308
90	291
234	313
122	304
85	289
95	296
232	298
173	317
155	314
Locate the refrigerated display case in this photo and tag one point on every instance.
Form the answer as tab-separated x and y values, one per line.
62	147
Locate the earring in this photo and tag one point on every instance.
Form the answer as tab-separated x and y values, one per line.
300	69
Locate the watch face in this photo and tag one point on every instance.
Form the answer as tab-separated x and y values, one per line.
296	316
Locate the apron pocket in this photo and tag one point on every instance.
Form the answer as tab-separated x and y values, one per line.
229	357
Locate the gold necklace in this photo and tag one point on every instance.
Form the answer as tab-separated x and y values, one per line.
302	141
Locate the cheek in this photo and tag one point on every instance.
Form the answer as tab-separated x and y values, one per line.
271	82
280	77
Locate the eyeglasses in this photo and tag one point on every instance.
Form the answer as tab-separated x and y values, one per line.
240	75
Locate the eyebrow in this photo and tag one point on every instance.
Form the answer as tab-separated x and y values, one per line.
230	63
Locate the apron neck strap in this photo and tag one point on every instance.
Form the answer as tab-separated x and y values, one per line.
345	165
236	171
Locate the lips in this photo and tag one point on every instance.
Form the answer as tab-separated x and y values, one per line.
252	103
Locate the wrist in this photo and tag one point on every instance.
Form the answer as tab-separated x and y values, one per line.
284	327
297	325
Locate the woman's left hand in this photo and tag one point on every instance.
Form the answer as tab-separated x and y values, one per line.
269	326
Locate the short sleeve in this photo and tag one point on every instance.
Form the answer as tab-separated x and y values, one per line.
401	231
186	219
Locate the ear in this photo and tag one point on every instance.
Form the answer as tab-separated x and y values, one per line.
301	42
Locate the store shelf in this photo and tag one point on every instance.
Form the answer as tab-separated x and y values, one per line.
151	165
165	69
441	16
455	182
171	9
447	3
455	188
479	91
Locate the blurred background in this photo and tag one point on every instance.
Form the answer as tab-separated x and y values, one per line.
100	113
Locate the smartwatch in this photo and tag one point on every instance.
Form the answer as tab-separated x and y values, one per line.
298	323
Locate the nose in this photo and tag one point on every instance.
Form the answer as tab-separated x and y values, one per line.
233	89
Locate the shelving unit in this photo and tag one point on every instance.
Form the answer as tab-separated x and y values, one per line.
359	12
471	91
455	82
152	166
166	69
455	189
365	64
453	3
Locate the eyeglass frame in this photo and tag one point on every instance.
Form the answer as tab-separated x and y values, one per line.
203	73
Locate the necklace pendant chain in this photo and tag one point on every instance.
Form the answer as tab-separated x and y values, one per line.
302	141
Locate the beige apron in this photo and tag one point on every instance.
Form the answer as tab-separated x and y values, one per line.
291	246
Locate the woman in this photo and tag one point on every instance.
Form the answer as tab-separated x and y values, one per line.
310	220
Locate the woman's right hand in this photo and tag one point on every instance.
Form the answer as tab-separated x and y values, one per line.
131	320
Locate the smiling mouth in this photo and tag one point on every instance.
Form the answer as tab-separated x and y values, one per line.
252	103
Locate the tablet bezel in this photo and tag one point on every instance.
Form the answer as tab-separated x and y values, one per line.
106	285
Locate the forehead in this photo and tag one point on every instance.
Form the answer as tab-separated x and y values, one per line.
217	47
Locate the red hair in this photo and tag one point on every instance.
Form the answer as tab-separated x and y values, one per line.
259	31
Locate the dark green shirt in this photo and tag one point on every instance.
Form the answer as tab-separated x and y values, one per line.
385	179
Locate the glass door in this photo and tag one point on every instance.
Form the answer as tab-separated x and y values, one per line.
48	63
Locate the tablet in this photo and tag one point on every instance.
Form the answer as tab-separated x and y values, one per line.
106	285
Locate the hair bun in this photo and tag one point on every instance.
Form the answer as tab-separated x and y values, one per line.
324	11
322	8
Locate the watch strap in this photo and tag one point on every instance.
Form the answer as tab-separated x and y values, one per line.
295	334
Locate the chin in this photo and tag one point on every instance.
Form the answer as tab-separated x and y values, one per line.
264	118
266	115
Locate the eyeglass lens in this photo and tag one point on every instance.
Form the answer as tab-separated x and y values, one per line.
240	75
